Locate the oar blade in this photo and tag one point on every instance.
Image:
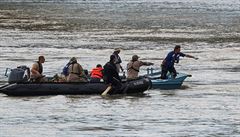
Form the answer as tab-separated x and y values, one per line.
106	91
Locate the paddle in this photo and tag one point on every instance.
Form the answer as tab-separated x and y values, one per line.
106	91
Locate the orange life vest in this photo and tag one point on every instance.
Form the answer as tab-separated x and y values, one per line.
97	73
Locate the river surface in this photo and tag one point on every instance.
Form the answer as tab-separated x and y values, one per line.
207	104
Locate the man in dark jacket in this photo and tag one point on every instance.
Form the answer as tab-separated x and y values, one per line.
111	76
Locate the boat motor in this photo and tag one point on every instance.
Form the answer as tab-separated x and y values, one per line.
19	74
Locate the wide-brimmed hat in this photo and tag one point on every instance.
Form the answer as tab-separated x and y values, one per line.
117	49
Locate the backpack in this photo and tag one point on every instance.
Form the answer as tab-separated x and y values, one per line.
65	69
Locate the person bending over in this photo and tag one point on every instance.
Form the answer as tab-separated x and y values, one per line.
168	62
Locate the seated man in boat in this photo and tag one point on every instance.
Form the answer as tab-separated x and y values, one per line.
97	74
111	76
37	69
134	65
168	62
76	72
65	73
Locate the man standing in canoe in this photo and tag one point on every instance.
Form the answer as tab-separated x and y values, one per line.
172	57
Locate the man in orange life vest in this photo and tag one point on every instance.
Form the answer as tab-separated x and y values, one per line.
97	73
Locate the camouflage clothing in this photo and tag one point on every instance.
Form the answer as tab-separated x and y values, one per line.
76	73
133	68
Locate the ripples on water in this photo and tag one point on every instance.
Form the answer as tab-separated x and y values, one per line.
206	105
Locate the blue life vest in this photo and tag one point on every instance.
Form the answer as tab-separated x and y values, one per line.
65	69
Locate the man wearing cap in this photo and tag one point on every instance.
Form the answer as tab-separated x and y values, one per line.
134	65
76	72
118	60
168	62
37	69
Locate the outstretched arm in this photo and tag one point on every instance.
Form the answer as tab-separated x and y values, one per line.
190	56
147	63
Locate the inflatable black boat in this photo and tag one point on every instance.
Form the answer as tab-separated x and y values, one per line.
66	88
19	85
54	88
